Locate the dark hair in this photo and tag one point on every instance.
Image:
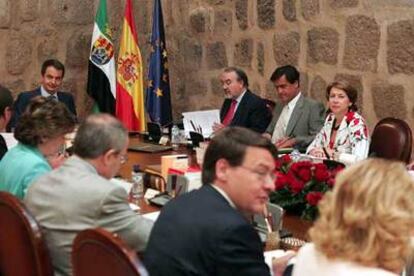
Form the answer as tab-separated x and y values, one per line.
241	75
6	99
231	144
54	63
98	134
350	91
292	75
43	118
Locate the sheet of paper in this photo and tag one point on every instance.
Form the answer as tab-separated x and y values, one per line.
201	122
152	216
134	207
122	183
270	255
9	138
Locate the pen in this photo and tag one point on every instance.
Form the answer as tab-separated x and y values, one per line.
192	125
326	153
266	215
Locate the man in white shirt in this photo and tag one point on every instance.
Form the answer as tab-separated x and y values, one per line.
296	118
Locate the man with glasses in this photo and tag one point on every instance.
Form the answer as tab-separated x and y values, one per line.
207	231
296	118
78	195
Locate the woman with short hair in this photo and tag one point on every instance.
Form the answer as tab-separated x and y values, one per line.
365	223
41	134
344	136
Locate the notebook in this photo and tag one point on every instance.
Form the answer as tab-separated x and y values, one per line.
149	147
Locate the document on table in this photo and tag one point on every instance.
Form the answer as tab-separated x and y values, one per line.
201	122
9	138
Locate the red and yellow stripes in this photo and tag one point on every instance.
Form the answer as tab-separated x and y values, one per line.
129	86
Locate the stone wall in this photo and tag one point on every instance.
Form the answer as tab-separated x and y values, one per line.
368	42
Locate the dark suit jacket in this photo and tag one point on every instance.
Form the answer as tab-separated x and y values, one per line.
251	113
199	233
3	147
24	98
305	122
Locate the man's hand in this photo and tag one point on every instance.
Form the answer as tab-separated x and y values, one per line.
280	264
218	126
285	142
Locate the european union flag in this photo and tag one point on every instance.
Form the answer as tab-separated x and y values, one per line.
158	99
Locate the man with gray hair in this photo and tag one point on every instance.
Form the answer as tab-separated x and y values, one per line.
78	195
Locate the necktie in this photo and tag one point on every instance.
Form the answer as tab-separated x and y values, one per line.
52	97
230	113
280	128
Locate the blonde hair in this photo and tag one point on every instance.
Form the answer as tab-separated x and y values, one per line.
368	218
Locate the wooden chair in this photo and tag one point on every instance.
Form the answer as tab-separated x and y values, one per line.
99	252
22	247
391	139
154	181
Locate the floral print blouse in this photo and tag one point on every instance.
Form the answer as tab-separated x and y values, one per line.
351	141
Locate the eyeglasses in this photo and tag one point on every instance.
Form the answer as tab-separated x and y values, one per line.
262	176
123	158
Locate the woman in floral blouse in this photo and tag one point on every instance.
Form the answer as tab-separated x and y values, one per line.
344	136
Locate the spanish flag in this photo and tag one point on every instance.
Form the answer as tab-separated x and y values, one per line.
129	86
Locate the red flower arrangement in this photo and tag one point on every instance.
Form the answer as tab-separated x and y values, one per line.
301	185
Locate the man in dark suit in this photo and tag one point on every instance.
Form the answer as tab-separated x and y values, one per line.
52	74
296	118
6	102
241	107
206	232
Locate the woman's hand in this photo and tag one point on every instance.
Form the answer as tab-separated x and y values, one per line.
317	152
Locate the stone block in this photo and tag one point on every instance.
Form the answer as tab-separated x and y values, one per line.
216	56
337	4
289	10
318	89
310	8
18	54
241	13
260	58
216	2
77	49
223	21
286	48
243	53
5	13
47	48
304	83
400	47
76	12
193	52
356	82
362	42
15	86
29	9
389	100
270	91
199	20
266	17
216	87
323	45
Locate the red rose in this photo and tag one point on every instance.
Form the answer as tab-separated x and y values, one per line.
313	198
295	184
302	170
321	172
278	164
286	159
356	122
282	181
357	133
331	182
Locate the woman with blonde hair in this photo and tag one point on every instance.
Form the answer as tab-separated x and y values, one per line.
365	223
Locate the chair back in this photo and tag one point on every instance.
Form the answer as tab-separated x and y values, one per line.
154	181
391	139
99	252
22	247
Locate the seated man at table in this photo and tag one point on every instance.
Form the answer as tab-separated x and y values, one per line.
206	232
296	118
241	107
78	195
